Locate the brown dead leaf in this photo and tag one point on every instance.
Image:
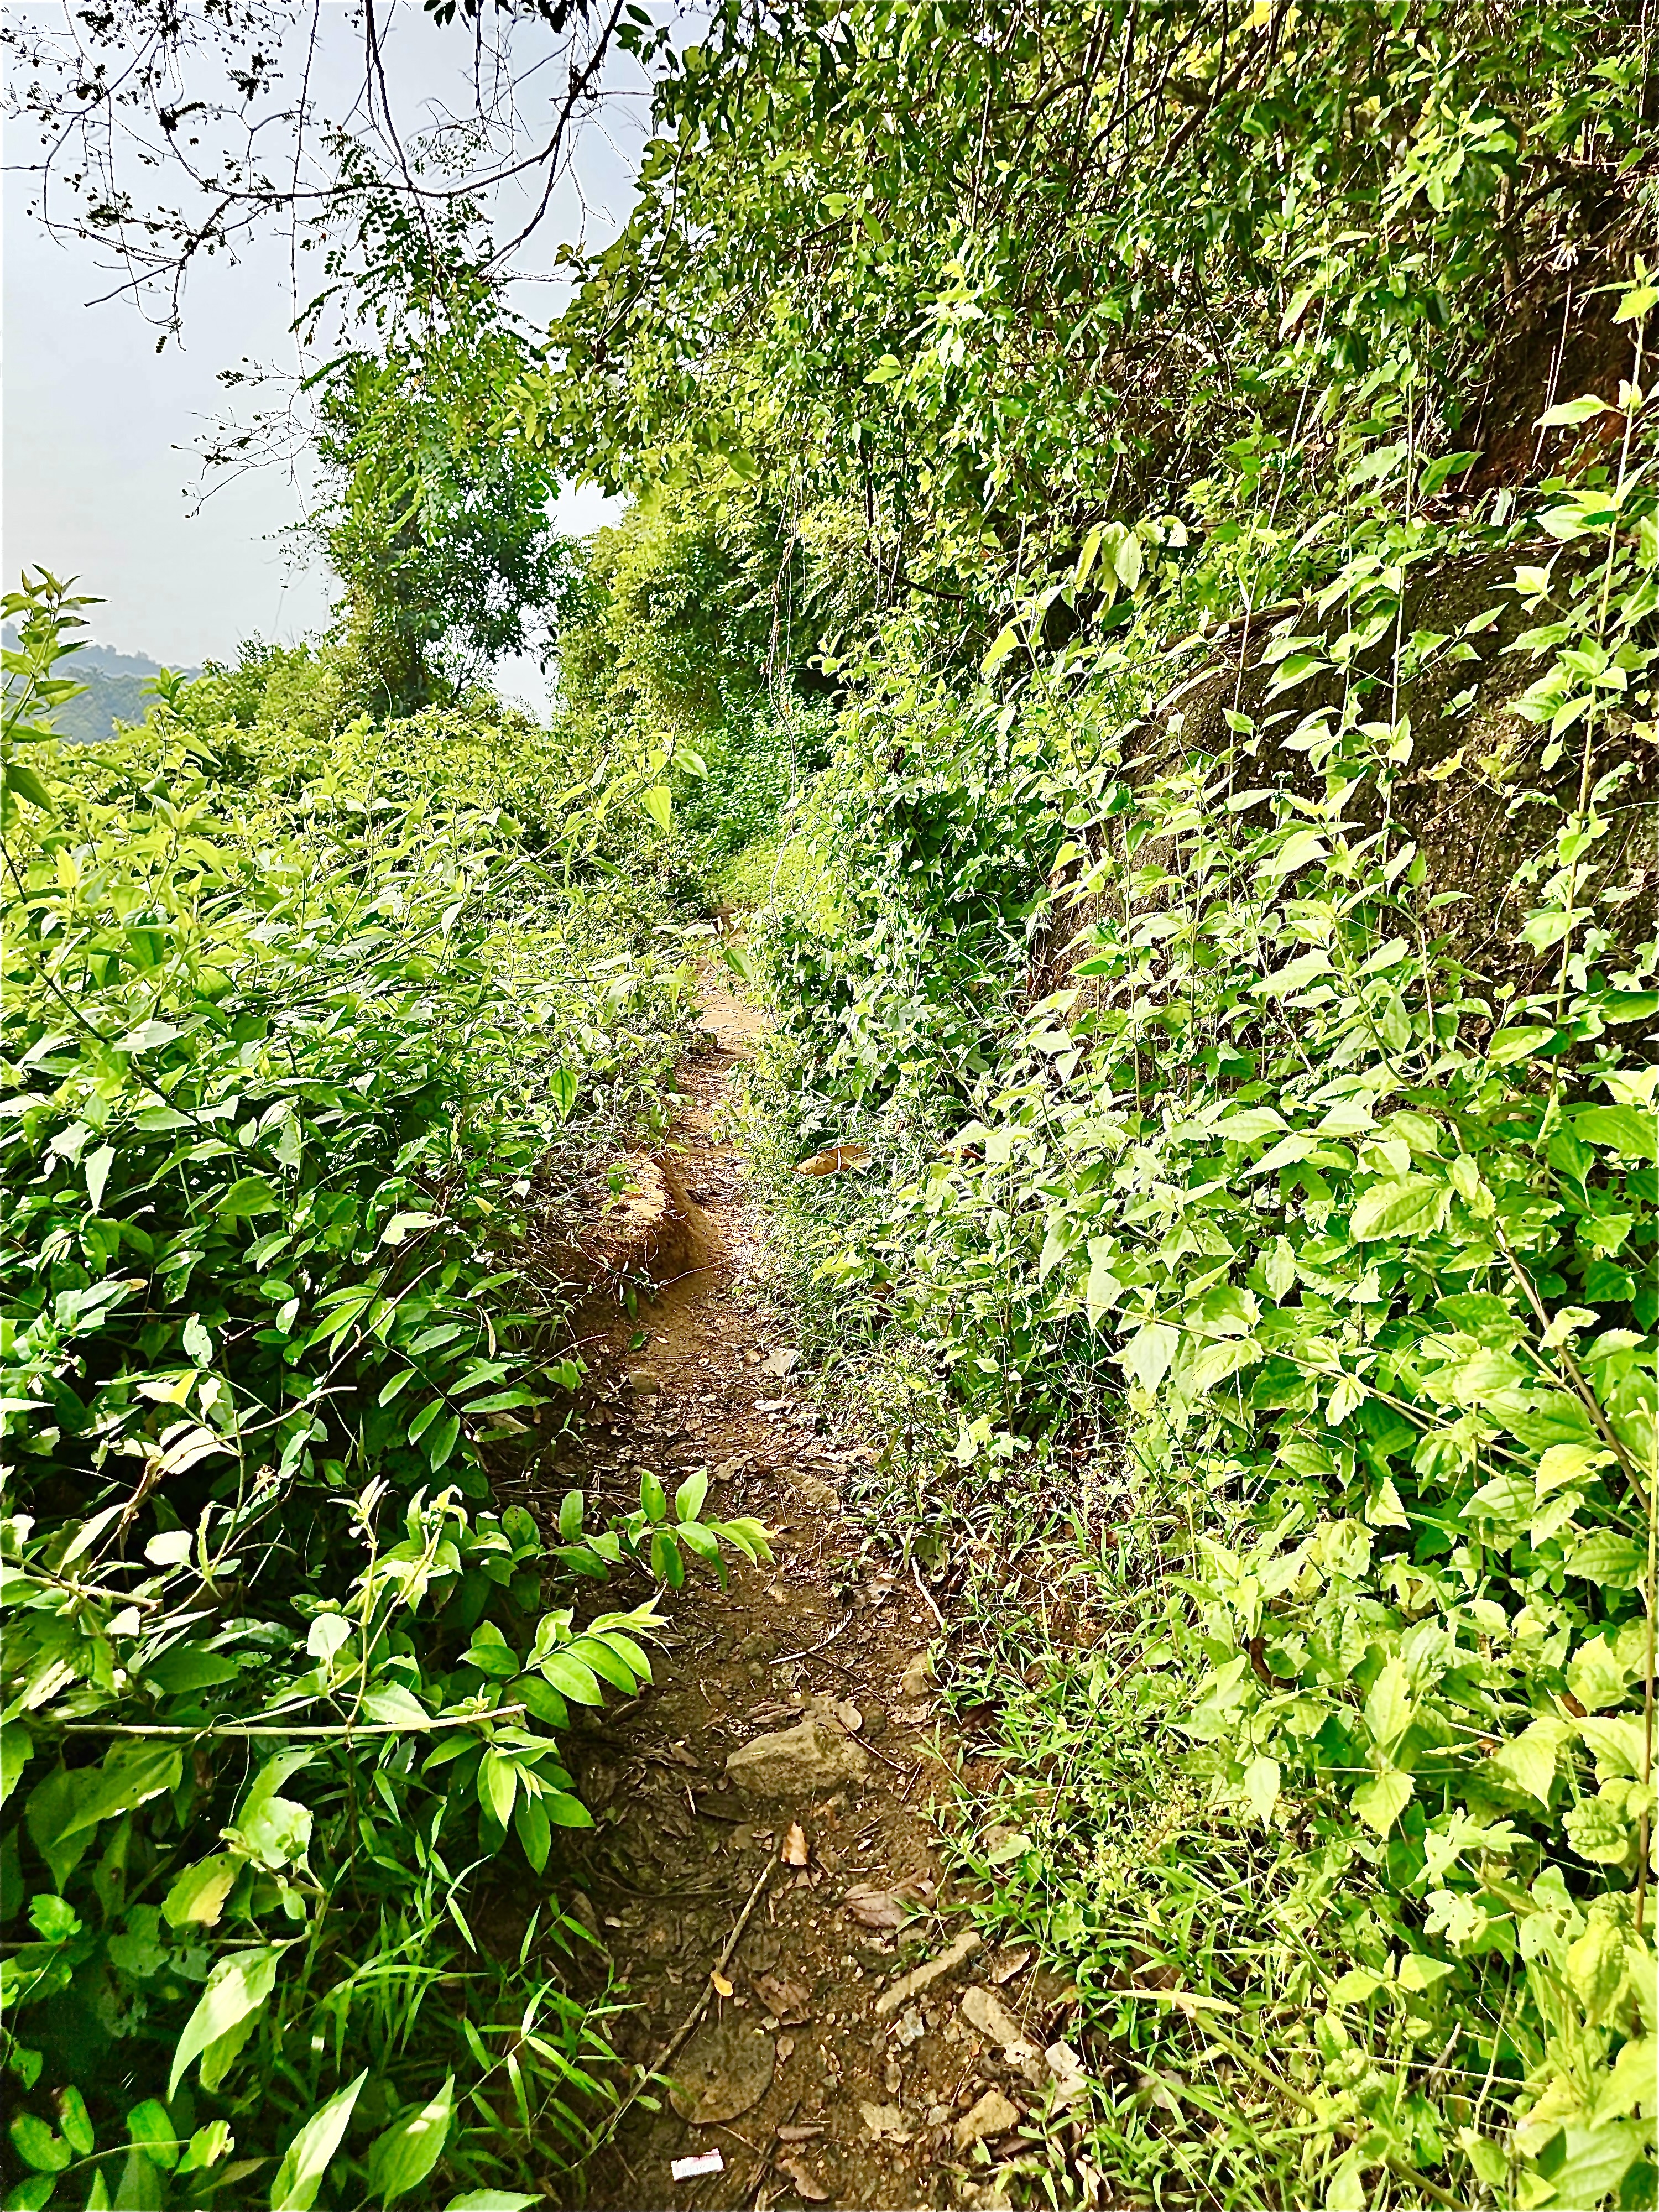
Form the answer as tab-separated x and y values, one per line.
877	1909
789	2001
786	2049
885	2122
804	2181
794	1845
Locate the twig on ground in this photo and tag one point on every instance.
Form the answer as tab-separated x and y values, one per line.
813	1648
926	1594
687	2028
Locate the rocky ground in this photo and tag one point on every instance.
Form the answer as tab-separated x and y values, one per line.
858	2046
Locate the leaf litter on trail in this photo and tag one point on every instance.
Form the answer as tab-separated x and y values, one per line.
794	1845
787	2001
883	1910
804	2181
877	1909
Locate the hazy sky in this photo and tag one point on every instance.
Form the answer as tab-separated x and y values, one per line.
100	475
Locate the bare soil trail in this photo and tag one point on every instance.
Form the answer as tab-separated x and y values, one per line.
815	2073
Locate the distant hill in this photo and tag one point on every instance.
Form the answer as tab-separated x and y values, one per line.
115	690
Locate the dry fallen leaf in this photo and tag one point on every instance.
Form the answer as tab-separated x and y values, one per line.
885	2122
719	1981
794	1845
798	2134
790	2001
804	2181
873	1908
786	2048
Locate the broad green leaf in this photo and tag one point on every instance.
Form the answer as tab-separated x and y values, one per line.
1441	471
131	1775
1625	1129
540	1698
1613	1562
16	1749
1146	1356
1103	1288
689	1497
22	779
235	1991
658	803
1529	1760
1389	1706
1406	1206
306	2159
393	1706
1381	1801
76	2121
572	1680
595	1653
1513	1044
534	1830
401	2158
328	1633
1603	1829
441	1441
150	1036
402	1226
197	1897
37	2145
97	1166
1587	2164
1261	1781
252	1195
150	2126
141	2186
498	1783
207	2146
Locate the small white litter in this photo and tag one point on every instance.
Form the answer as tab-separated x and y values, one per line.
693	2169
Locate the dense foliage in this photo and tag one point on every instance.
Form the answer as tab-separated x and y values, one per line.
1228	915
1142	577
309	1048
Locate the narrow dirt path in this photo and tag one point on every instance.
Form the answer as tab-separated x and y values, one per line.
812	2078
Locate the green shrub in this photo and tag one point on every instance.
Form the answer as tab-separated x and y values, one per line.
294	1063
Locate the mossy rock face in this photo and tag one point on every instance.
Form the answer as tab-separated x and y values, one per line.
723	2071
